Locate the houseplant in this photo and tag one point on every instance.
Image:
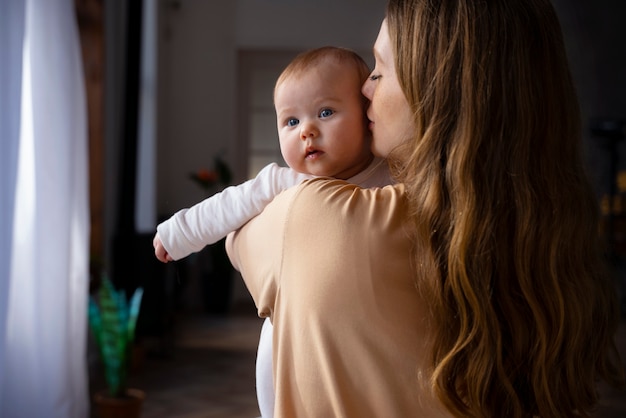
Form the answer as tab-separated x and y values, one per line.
112	319
212	180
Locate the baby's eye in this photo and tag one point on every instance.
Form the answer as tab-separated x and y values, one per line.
326	113
292	122
375	77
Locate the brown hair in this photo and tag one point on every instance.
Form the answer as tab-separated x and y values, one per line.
508	253
326	54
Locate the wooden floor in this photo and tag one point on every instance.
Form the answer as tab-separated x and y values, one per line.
207	370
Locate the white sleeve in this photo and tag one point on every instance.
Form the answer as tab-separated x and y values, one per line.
190	230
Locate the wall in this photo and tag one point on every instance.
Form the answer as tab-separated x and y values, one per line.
596	48
296	24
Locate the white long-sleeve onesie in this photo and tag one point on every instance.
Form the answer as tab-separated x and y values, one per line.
190	230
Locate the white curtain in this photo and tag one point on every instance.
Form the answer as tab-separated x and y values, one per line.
44	219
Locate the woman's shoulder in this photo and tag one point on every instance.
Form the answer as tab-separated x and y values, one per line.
328	197
328	200
335	188
340	189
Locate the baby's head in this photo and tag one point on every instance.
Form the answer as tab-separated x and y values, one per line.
320	113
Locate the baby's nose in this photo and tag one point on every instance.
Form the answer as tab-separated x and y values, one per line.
308	130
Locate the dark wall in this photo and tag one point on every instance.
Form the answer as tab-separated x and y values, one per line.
596	45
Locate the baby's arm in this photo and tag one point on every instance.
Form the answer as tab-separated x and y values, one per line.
190	230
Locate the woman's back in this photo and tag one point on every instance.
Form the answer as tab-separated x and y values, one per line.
351	331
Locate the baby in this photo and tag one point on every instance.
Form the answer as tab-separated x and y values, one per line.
322	129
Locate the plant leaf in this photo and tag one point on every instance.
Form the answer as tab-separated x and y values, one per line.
135	304
109	322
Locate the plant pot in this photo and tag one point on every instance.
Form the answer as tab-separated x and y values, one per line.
128	406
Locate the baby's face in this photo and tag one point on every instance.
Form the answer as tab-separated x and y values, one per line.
321	122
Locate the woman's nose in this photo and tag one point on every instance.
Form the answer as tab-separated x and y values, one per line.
366	89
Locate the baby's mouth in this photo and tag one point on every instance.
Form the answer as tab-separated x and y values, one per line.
312	153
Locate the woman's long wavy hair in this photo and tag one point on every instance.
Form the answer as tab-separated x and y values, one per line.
523	305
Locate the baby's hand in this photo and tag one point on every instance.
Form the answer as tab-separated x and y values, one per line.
159	250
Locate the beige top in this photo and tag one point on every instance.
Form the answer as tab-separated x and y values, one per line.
329	263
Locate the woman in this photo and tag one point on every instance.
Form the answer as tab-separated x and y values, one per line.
476	286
